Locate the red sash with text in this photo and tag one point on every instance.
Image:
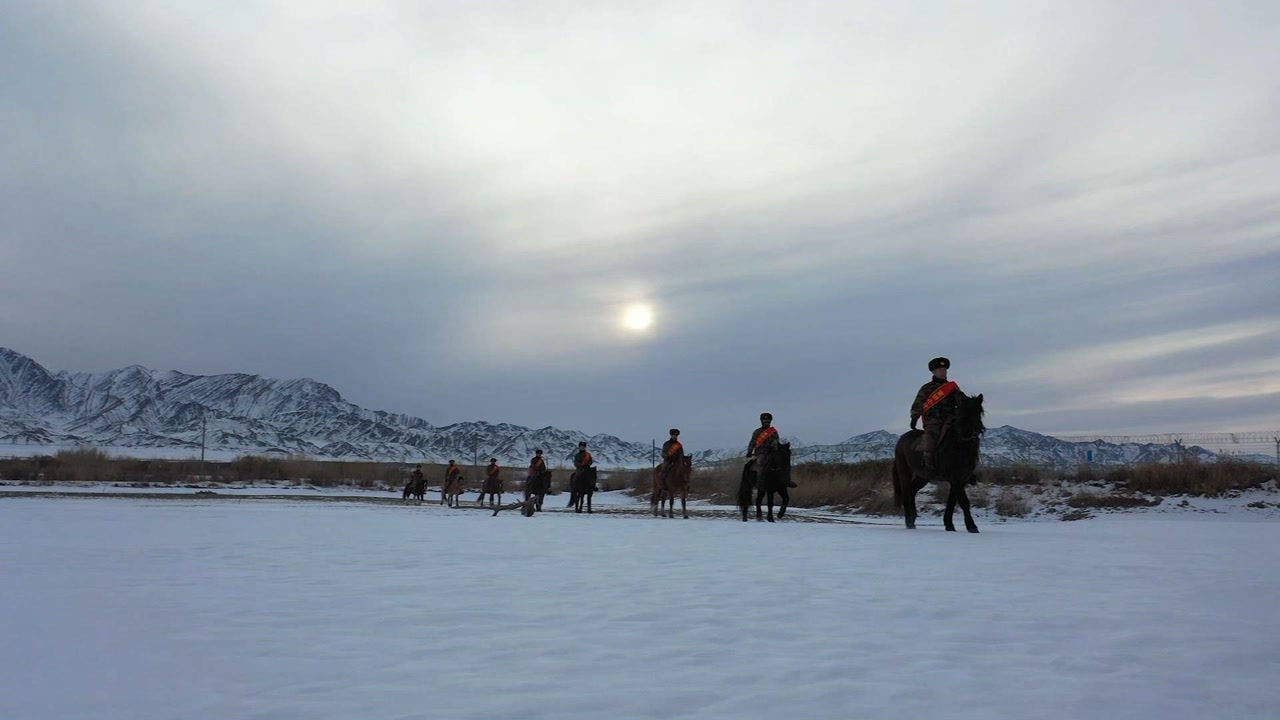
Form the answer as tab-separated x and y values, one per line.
938	396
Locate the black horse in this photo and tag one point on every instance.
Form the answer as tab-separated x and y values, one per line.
776	481
955	460
537	488
582	484
416	490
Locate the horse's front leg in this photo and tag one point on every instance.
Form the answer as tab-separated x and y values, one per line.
760	502
770	506
684	507
786	500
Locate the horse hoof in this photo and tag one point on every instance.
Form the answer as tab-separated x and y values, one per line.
972	528
770	519
911	526
951	528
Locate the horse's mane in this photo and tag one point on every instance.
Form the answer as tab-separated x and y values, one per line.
967	402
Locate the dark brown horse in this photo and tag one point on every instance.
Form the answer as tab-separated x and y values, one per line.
582	485
676	483
493	488
537	488
955	460
777	480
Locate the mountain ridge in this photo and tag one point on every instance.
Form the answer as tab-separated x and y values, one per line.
138	407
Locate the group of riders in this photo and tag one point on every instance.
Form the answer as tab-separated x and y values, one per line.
934	405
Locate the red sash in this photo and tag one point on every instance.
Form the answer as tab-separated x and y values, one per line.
536	466
586	458
671	451
493	471
768	433
939	395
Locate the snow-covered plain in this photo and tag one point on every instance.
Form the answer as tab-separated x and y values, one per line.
203	608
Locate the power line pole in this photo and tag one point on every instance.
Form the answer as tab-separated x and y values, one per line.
1277	439
204	472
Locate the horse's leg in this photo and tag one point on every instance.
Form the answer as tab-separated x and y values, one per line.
786	500
909	505
949	514
759	502
963	497
684	507
589	494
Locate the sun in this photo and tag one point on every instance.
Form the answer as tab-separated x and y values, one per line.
637	317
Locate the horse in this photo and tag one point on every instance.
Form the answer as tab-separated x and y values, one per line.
777	480
537	488
582	484
492	487
955	459
677	482
451	491
416	489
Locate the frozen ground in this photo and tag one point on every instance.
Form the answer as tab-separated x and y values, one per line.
201	608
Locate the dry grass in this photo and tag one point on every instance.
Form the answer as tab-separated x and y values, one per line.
1011	503
1192	478
1097	500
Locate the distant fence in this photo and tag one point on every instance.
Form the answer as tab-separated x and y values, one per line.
1253	442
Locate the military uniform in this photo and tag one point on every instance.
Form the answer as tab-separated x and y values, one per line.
939	413
536	466
672	454
763	445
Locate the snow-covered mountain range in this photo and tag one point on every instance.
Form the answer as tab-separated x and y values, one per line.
135	407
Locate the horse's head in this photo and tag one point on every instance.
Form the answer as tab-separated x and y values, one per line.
968	422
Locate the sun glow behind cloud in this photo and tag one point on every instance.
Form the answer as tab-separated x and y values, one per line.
637	317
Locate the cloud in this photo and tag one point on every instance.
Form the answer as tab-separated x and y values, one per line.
443	209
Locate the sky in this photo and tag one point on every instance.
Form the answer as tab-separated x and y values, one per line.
448	209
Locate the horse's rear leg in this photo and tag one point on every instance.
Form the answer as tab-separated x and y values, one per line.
589	503
962	496
786	500
759	504
949	514
684	507
909	507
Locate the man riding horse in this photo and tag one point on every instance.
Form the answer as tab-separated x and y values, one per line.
452	477
672	454
763	446
936	404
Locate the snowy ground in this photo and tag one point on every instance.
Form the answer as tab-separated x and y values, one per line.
197	608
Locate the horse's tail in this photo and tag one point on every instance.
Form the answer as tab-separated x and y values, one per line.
897	481
744	488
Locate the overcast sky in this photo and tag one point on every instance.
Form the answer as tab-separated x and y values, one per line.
444	209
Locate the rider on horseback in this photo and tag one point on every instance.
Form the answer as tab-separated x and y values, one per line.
452	474
936	404
536	466
583	457
672	454
763	445
582	460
